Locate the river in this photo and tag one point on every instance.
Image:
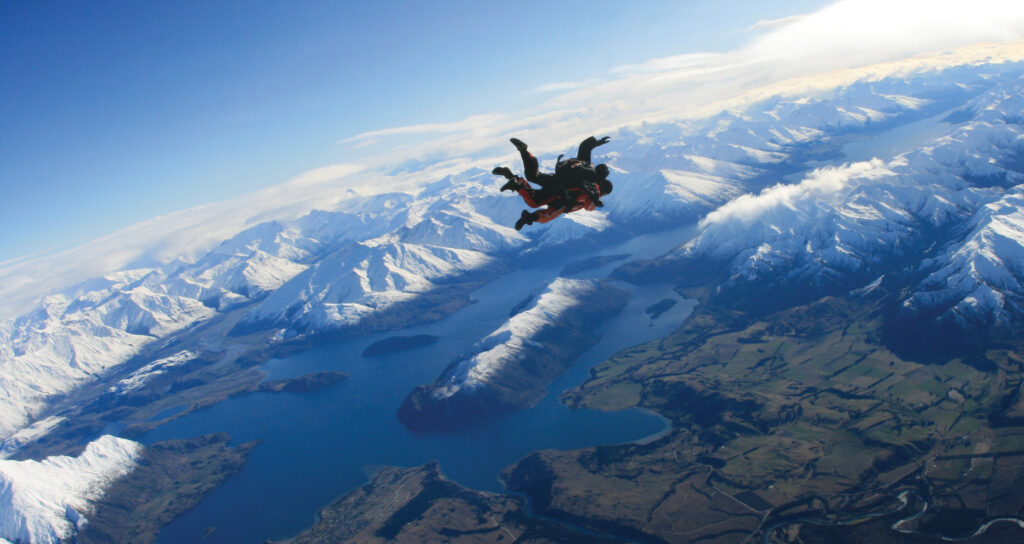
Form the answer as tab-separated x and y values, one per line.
899	526
318	446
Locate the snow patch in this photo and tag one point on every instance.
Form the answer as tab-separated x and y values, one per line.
139	378
29	434
689	186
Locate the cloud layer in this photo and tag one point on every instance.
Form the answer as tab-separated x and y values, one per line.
845	35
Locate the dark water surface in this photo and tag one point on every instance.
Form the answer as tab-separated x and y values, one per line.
318	446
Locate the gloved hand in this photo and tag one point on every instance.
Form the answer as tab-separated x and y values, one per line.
603	141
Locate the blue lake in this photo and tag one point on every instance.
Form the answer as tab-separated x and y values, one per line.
318	446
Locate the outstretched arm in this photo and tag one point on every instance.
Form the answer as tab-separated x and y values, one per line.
588	145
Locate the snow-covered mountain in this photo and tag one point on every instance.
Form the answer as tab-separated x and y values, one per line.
511	368
510	342
451	229
77	336
69	341
980	279
46	502
843	226
789	189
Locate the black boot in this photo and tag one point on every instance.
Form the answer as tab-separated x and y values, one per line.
526	218
503	171
520	145
512	184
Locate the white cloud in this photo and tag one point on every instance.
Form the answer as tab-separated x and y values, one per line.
854	32
564	86
326	174
771	24
780	214
820	184
469	123
668	64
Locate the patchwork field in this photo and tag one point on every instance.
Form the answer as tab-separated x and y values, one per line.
791	424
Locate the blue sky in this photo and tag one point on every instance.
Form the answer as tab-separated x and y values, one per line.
112	113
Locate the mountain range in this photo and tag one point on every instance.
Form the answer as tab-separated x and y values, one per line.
911	183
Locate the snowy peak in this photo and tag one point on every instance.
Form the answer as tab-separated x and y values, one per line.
69	342
224	278
980	279
47	501
450	230
833	219
463	230
353	282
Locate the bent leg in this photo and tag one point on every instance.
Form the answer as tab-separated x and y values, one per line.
531	166
549	213
548	182
529	196
587	146
536	198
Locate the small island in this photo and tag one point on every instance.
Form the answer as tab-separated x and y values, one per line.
655	310
398	343
303	384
